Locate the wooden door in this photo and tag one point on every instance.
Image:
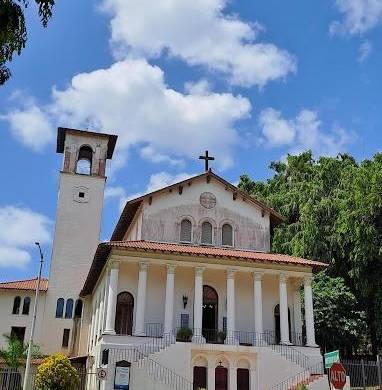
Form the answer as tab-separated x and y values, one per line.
124	314
242	379
200	377
221	378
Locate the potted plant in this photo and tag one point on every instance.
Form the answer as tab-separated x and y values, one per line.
184	334
221	336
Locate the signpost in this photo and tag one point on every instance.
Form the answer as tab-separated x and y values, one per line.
337	375
101	374
331	357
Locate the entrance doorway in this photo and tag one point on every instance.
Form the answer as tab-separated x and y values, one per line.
124	313
210	313
277	324
221	378
242	379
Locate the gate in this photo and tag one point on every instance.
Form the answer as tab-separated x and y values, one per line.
364	375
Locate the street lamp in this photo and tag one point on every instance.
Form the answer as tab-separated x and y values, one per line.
28	363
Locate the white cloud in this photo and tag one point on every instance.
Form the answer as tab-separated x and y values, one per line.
199	33
30	126
20	228
149	153
302	132
364	51
114	192
132	99
359	16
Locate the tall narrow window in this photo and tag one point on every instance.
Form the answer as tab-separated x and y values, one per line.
16	305
26	305
227	235
60	307
69	308
78	309
84	162
65	338
185	231
206	233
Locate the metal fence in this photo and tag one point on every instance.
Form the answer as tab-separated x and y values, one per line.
364	374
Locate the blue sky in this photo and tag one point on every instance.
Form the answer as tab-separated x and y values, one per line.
249	80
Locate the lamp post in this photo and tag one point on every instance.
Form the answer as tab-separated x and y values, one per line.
28	363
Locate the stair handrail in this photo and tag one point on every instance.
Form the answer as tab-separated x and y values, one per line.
300	378
293	354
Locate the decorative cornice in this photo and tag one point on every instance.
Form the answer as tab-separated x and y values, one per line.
114	264
199	271
283	278
258	276
170	268
143	266
308	280
231	273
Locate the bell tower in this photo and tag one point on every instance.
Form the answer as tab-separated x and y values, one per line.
77	231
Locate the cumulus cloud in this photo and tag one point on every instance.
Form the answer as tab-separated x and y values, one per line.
200	33
132	99
20	228
302	132
359	16
29	126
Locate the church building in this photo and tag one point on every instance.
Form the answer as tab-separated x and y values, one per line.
186	294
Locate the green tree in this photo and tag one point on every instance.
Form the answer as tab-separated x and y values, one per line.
13	31
333	211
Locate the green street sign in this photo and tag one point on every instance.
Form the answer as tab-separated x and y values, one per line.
331	357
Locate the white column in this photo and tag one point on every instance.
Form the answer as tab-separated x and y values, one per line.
309	317
232	378
112	298
258	305
297	313
284	323
211	377
231	320
253	380
169	303
198	306
141	300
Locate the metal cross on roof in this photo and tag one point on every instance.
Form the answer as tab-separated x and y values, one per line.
206	159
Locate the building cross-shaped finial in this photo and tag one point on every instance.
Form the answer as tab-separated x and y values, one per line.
206	159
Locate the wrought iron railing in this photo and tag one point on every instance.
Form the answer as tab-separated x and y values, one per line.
308	375
154	329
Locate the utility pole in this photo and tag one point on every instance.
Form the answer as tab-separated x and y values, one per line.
28	363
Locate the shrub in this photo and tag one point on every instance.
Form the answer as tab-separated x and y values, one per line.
56	373
184	334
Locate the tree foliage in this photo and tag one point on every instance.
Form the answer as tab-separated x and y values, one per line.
333	211
13	31
56	373
15	353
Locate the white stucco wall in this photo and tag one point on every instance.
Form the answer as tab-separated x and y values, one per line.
7	319
160	220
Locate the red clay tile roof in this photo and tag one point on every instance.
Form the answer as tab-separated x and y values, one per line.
28	284
104	249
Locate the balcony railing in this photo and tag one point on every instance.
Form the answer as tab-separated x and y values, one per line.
216	336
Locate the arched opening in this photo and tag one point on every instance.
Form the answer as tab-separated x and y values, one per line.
210	313
185	231
78	309
206	233
124	313
26	305
227	235
277	323
16	305
60	307
69	308
221	378
84	162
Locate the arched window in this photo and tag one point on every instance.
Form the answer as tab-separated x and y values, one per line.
26	305
227	235
16	305
60	307
69	308
124	313
84	162
185	231
78	309
206	233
